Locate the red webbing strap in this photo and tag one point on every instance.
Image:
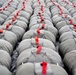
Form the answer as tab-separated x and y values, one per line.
74	26
44	68
37	39
39	49
70	21
42	27
65	15
69	3
73	5
38	30
53	2
60	9
7	26
4	8
42	9
1	9
42	19
39	13
66	2
1	30
17	13
8	4
39	2
23	5
15	16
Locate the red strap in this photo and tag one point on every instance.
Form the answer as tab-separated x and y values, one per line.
13	19
36	39
7	26
23	3
43	25
65	15
39	2
38	31
39	13
1	9
4	8
70	21
66	2
60	10
74	26
59	7
44	68
42	9
41	16
18	11
1	30
52	2
23	8
8	4
39	49
16	14
73	5
42	19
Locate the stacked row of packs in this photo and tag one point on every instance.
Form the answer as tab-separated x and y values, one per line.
16	17
37	50
7	9
71	7
66	25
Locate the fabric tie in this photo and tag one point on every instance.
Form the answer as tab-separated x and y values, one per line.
39	49
44	68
